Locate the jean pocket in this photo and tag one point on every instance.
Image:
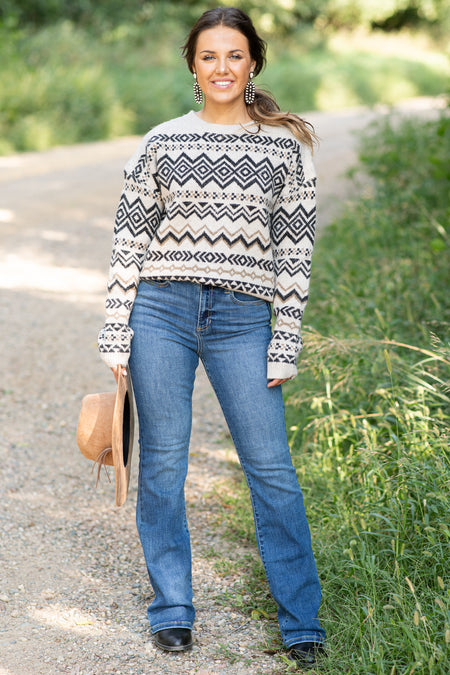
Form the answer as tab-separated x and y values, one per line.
160	283
245	299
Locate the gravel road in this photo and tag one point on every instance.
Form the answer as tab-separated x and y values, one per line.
73	585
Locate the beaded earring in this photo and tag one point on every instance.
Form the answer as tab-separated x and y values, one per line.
249	92
198	94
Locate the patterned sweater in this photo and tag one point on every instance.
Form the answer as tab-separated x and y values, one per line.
227	205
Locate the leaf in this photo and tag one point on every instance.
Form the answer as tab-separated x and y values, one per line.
388	361
437	245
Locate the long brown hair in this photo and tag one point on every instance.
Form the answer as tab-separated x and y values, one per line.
264	109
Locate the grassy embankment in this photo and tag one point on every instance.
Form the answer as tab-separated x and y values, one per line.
368	419
64	83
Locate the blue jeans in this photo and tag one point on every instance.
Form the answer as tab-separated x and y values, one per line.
176	323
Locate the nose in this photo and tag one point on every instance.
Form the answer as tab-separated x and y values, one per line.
221	65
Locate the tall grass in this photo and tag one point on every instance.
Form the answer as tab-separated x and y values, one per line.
66	83
368	418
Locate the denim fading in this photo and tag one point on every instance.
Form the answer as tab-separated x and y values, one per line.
175	324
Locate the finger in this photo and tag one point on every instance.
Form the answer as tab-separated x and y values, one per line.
275	383
118	369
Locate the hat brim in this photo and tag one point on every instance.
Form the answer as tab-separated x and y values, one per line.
123	436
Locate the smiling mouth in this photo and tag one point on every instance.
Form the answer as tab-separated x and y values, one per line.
222	83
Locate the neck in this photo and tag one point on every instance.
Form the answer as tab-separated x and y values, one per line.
219	114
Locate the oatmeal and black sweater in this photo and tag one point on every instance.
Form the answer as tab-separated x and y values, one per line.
227	205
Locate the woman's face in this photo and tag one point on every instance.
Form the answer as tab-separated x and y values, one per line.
222	63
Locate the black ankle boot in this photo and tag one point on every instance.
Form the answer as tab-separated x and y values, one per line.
306	653
174	639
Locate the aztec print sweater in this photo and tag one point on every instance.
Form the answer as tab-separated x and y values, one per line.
227	205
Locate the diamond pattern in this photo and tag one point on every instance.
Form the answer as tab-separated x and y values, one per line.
233	209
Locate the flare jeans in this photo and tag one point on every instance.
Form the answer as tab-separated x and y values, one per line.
175	324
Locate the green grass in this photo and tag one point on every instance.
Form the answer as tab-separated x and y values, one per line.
368	418
65	83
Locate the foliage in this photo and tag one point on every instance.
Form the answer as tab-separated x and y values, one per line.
369	415
309	73
271	15
65	83
82	70
386	14
55	94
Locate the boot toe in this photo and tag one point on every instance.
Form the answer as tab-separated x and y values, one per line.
174	639
305	654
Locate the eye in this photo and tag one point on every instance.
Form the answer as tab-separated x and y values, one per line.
236	57
208	57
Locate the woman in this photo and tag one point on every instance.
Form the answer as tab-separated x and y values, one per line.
215	222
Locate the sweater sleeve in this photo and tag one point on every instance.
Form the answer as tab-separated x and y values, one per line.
292	236
137	218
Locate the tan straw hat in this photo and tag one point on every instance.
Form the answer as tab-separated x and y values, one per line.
105	432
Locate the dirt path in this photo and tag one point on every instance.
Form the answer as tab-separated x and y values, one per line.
73	585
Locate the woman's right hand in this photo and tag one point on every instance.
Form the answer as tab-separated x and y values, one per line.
116	370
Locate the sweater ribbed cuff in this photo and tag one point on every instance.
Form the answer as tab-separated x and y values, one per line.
114	359
281	371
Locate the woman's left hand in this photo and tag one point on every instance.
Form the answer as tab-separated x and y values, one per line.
275	383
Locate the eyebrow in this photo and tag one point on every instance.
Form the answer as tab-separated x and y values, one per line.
211	51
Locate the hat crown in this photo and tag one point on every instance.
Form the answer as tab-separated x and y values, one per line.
106	429
94	433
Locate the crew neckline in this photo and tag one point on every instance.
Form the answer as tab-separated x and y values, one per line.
224	127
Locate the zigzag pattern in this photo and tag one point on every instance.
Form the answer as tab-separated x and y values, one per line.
122	286
236	210
207	212
292	266
127	258
222	238
136	217
293	296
